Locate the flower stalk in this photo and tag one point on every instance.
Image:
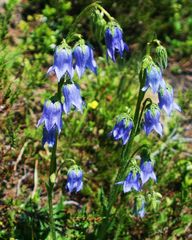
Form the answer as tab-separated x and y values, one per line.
125	161
53	173
126	152
83	14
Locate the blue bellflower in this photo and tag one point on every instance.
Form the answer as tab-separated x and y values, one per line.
140	211
166	100
122	130
154	79
152	120
147	171
74	180
49	137
114	42
73	97
63	63
52	118
84	59
131	181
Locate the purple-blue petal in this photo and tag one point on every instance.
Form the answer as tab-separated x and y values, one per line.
132	181
73	97
152	121
49	137
166	100
114	42
52	116
84	59
147	172
154	79
74	180
121	131
63	63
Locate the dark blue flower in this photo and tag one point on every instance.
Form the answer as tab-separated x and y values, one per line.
73	97
147	171
74	180
152	120
131	181
49	137
166	99
122	130
140	209
84	59
52	116
63	63
154	79
114	42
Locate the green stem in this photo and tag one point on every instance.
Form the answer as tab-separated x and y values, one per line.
78	19
138	149
52	170
125	160
126	154
105	12
82	15
61	165
142	110
82	121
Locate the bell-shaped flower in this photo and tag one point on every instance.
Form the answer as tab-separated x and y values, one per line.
52	116
114	42
49	137
84	58
152	120
122	130
74	179
73	97
154	79
166	99
63	63
131	181
147	171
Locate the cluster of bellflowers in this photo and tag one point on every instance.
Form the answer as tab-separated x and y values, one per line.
139	175
68	61
122	128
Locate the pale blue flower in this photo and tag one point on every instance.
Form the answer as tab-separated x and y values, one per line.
73	98
74	180
114	42
63	63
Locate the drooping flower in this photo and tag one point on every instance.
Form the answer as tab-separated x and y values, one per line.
84	59
49	137
114	42
52	116
63	63
166	99
154	79
131	181
152	120
74	179
73	97
122	130
140	208
147	171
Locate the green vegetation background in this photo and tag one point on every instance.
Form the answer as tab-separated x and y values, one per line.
29	31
